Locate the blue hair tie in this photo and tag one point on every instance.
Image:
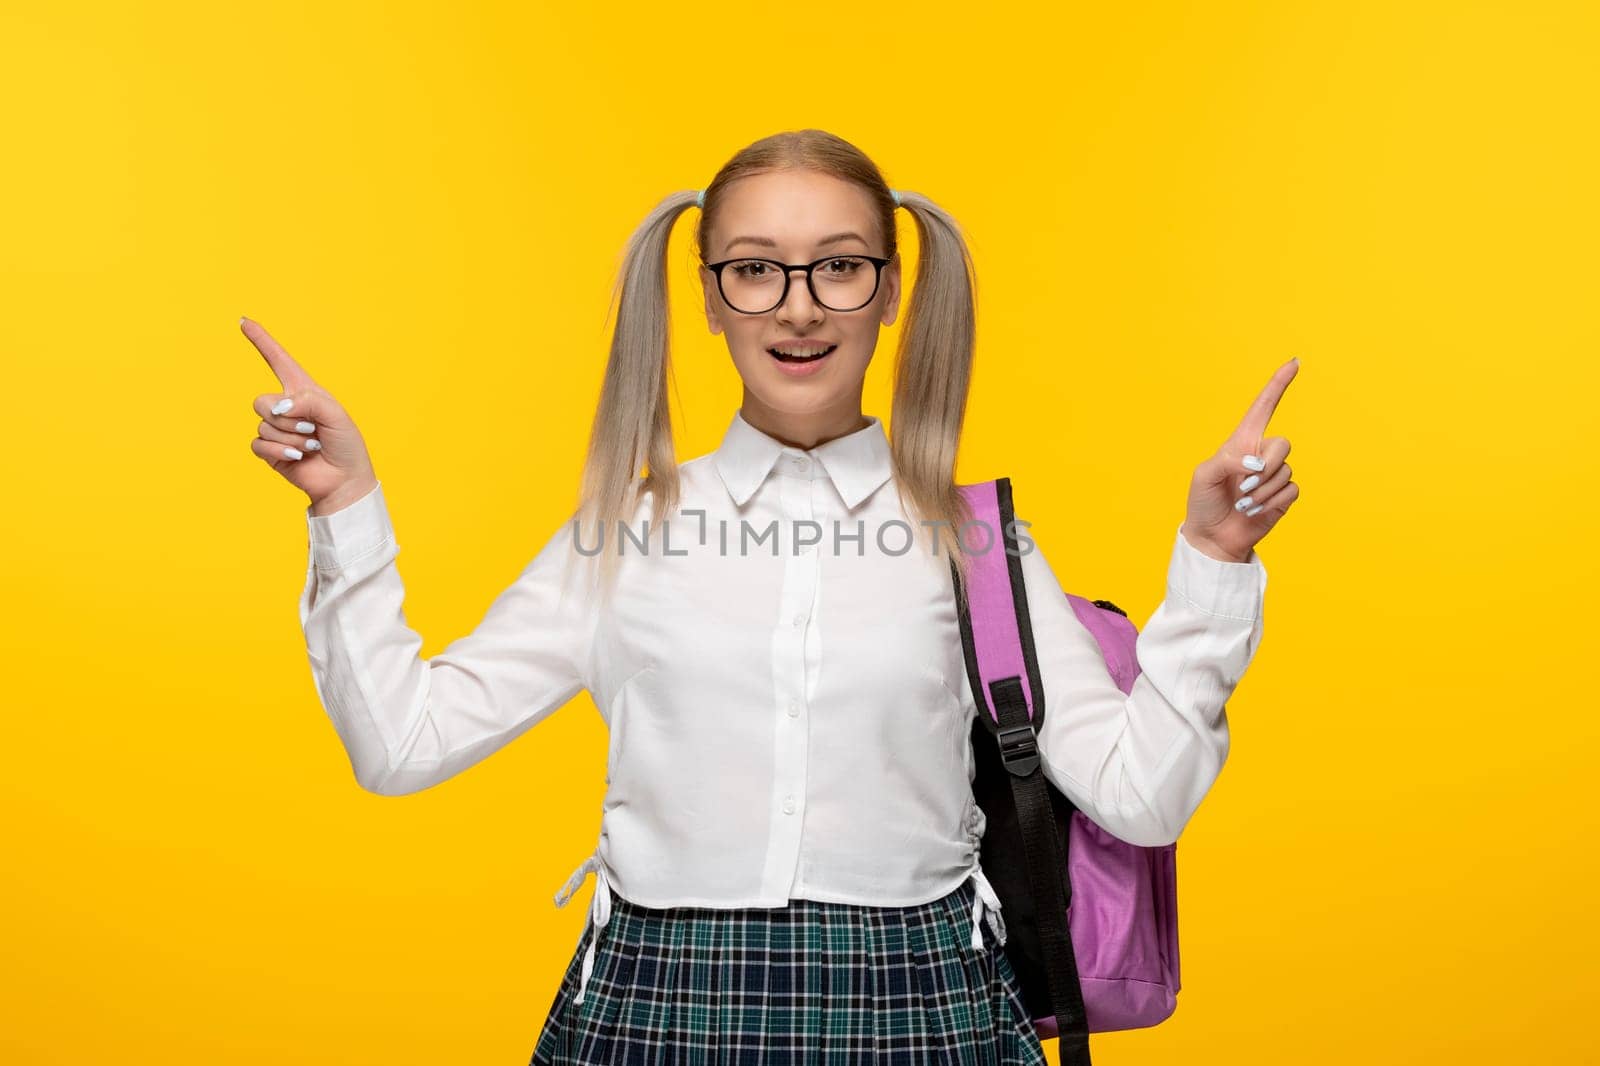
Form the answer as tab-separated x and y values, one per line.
896	194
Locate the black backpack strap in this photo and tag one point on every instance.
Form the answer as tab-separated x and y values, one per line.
1016	735
1047	864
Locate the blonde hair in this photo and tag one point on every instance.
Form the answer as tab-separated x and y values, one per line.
933	366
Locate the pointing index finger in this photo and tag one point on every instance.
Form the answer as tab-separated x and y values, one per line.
1254	425
290	374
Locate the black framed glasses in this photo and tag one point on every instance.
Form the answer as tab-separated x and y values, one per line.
838	282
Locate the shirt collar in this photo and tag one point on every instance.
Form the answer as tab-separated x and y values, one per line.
857	462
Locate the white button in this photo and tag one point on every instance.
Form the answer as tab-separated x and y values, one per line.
800	462
794	708
788	805
799	620
804	549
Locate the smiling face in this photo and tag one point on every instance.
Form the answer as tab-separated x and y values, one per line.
797	216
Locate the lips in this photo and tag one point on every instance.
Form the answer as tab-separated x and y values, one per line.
781	357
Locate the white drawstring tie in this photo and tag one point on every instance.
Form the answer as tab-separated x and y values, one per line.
985	903
599	910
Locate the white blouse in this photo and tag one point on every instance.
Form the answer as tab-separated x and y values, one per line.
789	720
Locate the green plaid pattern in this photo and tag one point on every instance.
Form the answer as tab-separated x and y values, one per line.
813	983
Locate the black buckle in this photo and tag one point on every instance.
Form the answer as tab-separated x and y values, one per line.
1019	749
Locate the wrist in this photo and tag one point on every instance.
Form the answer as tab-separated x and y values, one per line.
1209	548
344	495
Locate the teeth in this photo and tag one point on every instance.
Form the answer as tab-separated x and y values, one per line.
803	352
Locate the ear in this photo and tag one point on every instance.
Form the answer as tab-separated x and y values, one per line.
708	286
891	289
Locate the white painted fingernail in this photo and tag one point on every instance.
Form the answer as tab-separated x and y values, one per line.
283	405
292	453
313	444
311	427
1254	462
1250	482
1241	504
1256	508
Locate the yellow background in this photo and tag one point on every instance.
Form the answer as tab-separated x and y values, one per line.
426	204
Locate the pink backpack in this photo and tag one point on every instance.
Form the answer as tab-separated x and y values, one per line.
1105	964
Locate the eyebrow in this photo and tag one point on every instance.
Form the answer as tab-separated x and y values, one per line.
768	242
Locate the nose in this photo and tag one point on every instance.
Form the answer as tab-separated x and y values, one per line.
806	309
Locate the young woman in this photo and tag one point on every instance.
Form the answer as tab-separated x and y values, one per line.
787	861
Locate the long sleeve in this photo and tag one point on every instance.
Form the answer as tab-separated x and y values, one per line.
1139	764
407	722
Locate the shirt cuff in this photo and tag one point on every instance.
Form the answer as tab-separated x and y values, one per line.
1216	586
347	534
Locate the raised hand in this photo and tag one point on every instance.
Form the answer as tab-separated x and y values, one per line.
1238	495
305	434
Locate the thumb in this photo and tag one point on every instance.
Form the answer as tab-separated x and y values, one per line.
309	403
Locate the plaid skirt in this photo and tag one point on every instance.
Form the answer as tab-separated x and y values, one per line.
814	983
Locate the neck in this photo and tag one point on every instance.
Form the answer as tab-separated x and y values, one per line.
804	430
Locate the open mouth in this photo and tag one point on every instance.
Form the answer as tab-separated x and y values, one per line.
783	358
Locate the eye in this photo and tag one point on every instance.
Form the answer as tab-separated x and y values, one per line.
842	267
751	268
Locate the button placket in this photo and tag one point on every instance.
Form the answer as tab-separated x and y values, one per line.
790	676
